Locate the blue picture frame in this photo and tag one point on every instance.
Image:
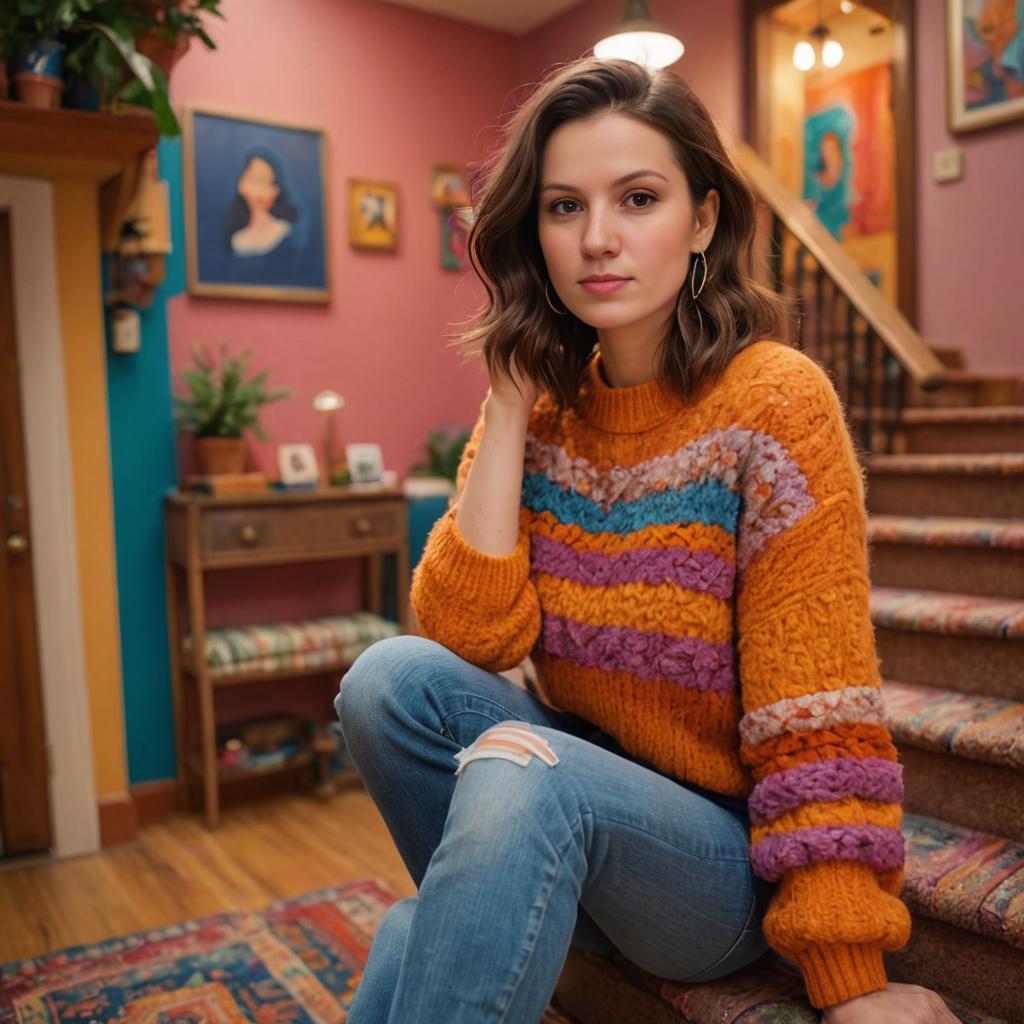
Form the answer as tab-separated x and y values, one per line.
256	207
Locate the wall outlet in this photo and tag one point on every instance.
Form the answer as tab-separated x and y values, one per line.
125	335
948	165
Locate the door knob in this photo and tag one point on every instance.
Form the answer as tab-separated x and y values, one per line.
17	544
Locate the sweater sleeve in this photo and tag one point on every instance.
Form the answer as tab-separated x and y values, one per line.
825	810
482	607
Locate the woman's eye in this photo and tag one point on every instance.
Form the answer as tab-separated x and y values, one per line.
555	207
649	199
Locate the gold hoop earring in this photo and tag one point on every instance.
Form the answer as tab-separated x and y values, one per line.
560	312
695	292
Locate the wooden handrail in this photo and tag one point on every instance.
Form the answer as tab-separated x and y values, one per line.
891	326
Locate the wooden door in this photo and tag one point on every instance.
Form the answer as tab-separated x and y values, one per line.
24	799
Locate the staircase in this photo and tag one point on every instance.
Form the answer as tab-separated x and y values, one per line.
946	540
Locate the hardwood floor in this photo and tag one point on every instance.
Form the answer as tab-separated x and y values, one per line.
176	870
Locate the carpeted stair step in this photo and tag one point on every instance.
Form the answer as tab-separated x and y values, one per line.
981	429
965	891
956	484
973	556
962	756
967	387
954	641
997	428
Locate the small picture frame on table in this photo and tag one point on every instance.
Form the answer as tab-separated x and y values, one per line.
365	463
297	466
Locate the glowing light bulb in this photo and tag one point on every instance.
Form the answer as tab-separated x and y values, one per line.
803	56
832	54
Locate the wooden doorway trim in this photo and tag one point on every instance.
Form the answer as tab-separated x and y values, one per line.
901	14
73	807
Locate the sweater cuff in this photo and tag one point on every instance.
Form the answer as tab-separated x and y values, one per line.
833	974
485	581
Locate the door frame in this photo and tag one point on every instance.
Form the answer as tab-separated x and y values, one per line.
75	816
904	103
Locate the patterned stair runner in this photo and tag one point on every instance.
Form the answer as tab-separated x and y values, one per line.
930	611
965	725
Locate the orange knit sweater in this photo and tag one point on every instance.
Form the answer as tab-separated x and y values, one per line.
692	578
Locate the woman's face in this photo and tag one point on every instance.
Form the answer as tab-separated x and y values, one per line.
592	220
257	185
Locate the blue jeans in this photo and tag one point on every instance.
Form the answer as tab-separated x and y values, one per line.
516	862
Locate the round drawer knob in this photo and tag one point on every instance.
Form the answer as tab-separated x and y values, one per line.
248	534
363	525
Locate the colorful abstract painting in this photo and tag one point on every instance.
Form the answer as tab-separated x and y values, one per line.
986	62
849	152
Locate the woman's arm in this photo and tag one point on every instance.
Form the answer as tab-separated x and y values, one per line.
488	509
472	591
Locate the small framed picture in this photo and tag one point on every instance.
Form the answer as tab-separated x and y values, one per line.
365	463
372	214
448	186
297	464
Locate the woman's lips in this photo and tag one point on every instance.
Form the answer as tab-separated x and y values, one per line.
605	287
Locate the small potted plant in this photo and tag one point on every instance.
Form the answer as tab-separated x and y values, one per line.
436	473
222	403
38	66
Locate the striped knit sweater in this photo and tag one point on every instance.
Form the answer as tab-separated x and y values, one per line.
692	578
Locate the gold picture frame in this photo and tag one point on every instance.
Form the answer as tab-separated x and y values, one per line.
257	208
372	214
980	71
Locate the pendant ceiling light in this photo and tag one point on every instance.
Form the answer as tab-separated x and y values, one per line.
640	39
806	53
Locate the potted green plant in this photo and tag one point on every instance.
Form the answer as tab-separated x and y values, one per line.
163	29
222	402
444	450
11	41
38	64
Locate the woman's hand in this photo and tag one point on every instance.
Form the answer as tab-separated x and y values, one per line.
895	1004
505	393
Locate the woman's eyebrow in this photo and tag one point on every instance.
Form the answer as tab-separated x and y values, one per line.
615	184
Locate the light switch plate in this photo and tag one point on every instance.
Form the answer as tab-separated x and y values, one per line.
948	165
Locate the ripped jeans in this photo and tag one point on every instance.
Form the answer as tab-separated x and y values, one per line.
532	839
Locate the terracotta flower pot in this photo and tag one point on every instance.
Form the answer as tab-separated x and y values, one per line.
38	90
162	52
218	455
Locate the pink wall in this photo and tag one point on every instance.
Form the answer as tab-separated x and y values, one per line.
396	90
969	232
711	33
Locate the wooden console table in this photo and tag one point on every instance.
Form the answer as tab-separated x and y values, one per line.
205	533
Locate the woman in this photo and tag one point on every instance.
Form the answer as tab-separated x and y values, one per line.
673	528
261	217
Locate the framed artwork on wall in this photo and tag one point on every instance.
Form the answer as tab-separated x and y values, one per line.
372	214
985	66
256	209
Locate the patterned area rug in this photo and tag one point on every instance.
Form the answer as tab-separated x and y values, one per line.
297	962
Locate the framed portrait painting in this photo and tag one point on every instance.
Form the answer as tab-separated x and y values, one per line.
256	209
372	214
985	72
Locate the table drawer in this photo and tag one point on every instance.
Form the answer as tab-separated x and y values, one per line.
300	528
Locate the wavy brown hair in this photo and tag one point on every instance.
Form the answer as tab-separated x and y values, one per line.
505	251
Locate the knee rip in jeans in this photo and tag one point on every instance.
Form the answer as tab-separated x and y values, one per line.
511	741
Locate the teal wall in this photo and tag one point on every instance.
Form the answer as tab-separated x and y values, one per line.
142	452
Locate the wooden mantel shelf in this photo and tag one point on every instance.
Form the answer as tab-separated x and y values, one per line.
71	143
104	148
